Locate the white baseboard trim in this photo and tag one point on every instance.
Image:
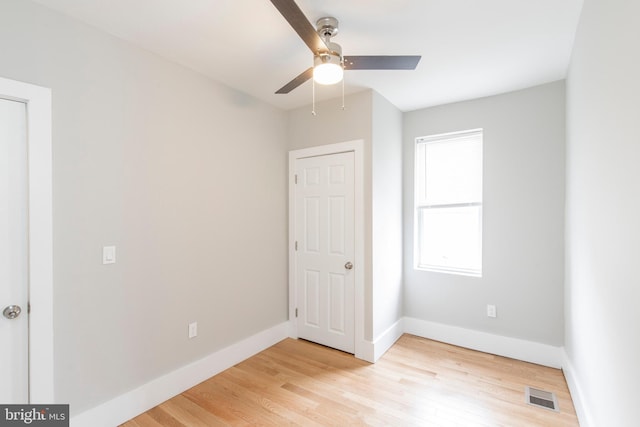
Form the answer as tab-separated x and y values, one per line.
577	396
385	340
371	351
528	351
135	402
365	351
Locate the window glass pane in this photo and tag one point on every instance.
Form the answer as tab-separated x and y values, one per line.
452	171
420	173
450	238
448	194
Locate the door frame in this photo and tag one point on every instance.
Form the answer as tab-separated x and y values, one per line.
38	104
357	147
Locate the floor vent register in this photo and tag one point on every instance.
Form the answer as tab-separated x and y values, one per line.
541	399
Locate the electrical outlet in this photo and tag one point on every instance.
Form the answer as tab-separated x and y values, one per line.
193	330
491	310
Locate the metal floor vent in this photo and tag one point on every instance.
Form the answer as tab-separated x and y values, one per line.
541	399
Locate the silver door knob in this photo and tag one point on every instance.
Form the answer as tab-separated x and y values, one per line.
11	311
348	265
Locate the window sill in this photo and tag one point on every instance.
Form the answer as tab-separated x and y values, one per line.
430	269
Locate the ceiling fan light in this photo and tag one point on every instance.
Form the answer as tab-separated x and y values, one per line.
327	69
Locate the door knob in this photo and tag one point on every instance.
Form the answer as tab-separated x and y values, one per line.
348	265
11	311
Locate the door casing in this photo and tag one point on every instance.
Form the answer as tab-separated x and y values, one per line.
38	101
14	262
357	147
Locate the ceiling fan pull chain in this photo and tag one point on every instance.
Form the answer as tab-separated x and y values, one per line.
342	94
313	97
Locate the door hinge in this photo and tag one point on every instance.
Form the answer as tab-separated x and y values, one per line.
295	178
296	312
296	245
29	307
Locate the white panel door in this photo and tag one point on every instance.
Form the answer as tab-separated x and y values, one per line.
14	268
324	210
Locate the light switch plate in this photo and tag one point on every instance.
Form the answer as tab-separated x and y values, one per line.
193	330
491	310
109	255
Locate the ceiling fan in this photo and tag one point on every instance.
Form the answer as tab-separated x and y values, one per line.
328	62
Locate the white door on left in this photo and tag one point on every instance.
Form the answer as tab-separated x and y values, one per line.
14	251
325	231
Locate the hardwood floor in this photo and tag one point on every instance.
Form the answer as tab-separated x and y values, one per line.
418	382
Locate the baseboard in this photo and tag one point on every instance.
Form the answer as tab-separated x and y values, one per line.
385	340
528	351
577	396
371	351
135	402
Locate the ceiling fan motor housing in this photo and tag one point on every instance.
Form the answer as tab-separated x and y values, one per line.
327	58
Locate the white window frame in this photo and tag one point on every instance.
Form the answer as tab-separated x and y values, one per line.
418	207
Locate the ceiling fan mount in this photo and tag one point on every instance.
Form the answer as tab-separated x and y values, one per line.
327	27
325	52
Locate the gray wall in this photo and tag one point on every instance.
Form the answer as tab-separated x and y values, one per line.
386	213
523	217
603	236
331	124
162	163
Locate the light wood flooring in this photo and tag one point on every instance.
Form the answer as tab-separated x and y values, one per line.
418	382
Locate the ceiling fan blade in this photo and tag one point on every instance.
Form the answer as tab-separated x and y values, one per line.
294	16
303	77
381	62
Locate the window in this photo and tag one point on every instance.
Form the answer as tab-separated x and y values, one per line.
448	202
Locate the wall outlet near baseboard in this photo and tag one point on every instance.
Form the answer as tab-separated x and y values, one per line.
491	310
193	330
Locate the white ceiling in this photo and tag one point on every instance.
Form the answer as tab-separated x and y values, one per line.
469	48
